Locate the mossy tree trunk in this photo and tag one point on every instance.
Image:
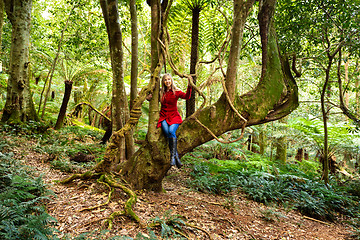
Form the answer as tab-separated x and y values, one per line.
19	106
120	107
281	145
281	149
262	141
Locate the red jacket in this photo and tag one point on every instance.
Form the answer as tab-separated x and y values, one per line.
169	110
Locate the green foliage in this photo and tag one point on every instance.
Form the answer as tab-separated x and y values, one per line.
22	214
67	143
31	128
293	185
214	149
167	223
60	145
342	137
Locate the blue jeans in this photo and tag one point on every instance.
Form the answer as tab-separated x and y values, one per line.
169	130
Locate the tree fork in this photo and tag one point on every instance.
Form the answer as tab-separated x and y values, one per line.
135	113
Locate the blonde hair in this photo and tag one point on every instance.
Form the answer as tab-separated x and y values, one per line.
163	88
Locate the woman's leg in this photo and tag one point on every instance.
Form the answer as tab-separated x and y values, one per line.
165	128
173	143
172	130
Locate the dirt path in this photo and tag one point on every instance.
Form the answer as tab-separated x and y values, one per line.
219	217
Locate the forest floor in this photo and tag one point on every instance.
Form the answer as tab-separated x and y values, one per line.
230	216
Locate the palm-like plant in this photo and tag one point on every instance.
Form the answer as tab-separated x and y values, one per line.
342	137
71	72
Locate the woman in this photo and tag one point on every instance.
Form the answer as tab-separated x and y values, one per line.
170	118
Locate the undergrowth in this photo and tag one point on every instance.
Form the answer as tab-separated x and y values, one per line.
60	145
295	185
22	197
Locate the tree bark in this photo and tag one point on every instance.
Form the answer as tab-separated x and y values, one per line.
357	85
1	20
281	150
155	52
281	146
241	11
324	109
190	104
274	97
120	107
262	141
64	104
343	105
134	52
19	106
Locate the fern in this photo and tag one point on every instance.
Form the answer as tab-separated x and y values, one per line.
291	185
22	214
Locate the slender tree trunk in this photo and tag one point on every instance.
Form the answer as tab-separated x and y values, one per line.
64	104
134	52
241	12
52	69
281	146
155	56
2	10
281	150
190	104
325	117
19	106
120	107
343	106
262	142
357	86
346	80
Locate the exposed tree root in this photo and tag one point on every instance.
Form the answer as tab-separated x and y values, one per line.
129	203
100	180
110	219
84	176
107	180
199	228
181	233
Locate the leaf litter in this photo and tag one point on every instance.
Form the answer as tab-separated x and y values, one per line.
230	216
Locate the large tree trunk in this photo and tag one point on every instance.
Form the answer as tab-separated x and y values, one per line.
120	108
190	104
19	106
64	104
274	97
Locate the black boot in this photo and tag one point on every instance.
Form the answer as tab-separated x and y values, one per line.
178	162
172	151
